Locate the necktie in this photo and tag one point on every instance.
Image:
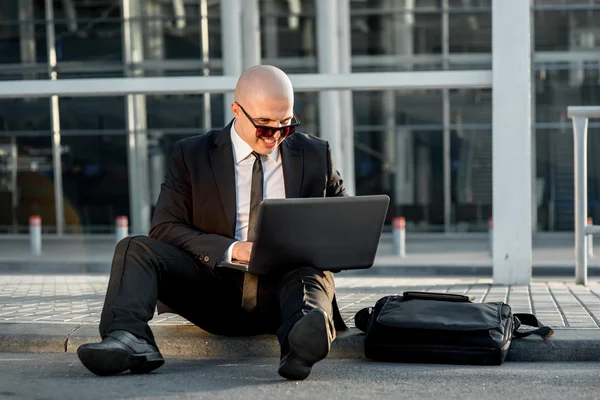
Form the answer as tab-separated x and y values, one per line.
250	291
256	196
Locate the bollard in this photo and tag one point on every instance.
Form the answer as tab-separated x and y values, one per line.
122	228
491	236
399	236
590	239
35	235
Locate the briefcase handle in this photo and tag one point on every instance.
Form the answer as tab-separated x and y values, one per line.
459	298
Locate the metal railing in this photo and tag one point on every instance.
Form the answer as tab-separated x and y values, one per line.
580	116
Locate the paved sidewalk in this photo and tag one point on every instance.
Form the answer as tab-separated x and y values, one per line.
57	313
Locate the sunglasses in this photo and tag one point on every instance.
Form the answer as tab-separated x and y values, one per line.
267	132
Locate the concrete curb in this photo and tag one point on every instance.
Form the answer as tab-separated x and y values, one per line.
190	341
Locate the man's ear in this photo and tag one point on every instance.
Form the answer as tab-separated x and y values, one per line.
235	109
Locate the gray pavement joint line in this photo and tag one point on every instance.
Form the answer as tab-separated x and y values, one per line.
485	295
585	307
558	307
530	299
594	293
68	336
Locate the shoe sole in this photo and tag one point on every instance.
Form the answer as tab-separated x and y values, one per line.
309	344
114	361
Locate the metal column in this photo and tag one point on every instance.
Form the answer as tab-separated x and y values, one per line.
205	58
580	169
154	50
27	35
347	109
511	141
251	33
231	45
392	39
55	121
154	34
446	120
271	29
328	53
399	143
71	14
137	149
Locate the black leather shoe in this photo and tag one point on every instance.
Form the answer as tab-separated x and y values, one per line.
309	342
120	351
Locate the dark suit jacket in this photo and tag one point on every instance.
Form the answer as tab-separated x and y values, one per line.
196	208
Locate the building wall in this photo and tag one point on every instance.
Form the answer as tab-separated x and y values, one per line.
399	133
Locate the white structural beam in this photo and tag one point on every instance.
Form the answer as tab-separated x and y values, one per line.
328	60
100	87
346	105
136	119
231	47
204	40
27	35
511	143
251	33
55	121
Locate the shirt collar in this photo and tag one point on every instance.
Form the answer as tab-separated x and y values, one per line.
241	149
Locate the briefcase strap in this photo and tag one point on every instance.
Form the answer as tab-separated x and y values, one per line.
531	320
362	318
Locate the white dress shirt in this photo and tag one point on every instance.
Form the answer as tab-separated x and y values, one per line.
273	183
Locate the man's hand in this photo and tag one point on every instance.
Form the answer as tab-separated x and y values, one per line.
241	251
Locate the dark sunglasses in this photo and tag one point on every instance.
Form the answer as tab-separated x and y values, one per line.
267	132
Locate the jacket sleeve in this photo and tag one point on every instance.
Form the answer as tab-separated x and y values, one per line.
172	220
335	183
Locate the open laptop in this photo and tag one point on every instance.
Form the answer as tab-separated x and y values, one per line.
328	233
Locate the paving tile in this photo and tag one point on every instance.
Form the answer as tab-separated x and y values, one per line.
73	299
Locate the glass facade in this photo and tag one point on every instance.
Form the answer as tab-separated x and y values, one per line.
566	72
403	145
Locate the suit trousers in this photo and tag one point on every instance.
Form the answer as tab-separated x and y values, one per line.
145	271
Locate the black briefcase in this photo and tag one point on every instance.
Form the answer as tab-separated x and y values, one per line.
442	328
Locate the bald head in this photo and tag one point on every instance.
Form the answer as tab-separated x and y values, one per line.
263	82
264	96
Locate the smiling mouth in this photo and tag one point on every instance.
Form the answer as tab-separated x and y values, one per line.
269	141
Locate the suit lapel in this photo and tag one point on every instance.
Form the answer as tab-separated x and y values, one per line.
221	159
293	168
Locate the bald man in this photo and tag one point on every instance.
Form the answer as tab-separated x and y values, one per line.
204	216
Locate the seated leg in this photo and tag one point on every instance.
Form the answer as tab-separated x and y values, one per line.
144	271
307	329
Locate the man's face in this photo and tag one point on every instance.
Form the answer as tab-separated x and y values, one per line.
266	111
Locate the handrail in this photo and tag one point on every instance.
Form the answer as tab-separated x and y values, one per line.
580	116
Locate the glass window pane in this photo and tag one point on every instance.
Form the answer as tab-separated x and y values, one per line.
471	159
95	182
567	65
31	190
407	161
555	91
387	36
398	151
94	162
25	127
561	26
